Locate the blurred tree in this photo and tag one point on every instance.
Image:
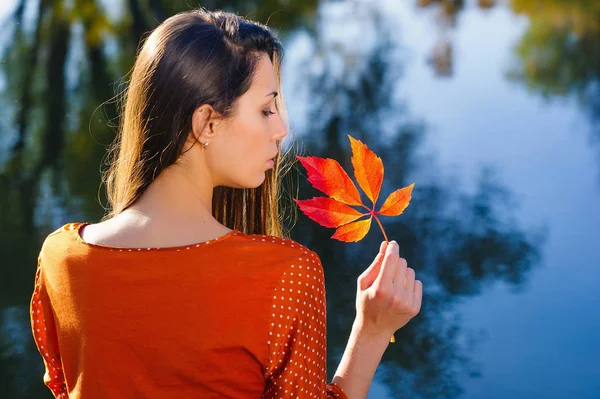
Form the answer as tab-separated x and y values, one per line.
458	243
559	54
441	57
51	175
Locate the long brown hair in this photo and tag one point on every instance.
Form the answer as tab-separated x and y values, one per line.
193	58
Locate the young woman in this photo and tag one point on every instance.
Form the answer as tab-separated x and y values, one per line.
188	288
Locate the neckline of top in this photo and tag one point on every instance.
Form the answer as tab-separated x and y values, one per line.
77	226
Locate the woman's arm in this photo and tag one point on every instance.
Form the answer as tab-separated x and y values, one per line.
388	296
44	334
360	360
295	366
297	350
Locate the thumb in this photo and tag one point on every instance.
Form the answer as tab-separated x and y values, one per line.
367	277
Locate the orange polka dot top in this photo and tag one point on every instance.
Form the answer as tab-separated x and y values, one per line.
239	316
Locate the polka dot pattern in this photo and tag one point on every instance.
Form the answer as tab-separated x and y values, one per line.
41	322
293	354
296	366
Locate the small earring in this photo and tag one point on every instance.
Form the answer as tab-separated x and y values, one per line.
204	144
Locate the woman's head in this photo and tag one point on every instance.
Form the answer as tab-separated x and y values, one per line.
241	143
205	77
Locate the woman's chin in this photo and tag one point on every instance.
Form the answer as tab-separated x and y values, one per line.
257	182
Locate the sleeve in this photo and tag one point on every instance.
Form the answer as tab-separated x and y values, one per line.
44	334
297	344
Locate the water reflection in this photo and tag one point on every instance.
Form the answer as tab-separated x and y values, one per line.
56	141
447	12
20	366
559	54
458	242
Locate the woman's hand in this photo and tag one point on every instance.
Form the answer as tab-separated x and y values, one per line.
388	295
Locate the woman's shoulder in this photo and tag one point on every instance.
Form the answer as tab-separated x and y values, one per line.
68	228
283	253
58	246
283	245
62	235
260	248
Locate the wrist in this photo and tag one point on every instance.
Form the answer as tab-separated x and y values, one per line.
363	354
366	332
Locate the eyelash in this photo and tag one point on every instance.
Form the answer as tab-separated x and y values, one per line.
268	112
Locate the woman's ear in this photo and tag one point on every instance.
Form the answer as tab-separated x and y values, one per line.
203	123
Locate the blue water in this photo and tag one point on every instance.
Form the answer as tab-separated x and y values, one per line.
524	325
540	342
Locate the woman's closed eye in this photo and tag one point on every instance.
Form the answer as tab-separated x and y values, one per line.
268	112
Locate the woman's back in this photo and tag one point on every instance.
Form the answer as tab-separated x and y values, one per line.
238	316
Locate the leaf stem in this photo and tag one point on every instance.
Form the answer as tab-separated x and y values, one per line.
367	208
381	227
374	214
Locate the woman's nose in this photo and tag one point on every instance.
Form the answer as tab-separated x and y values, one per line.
281	130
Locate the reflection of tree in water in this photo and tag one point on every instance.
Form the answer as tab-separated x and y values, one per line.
457	242
52	171
441	57
49	171
20	368
559	54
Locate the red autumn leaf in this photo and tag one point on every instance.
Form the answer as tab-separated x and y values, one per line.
328	176
368	169
329	212
397	201
350	231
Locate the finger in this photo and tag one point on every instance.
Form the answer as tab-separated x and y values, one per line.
398	277
409	289
382	246
395	278
388	267
418	295
367	277
374	267
400	282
